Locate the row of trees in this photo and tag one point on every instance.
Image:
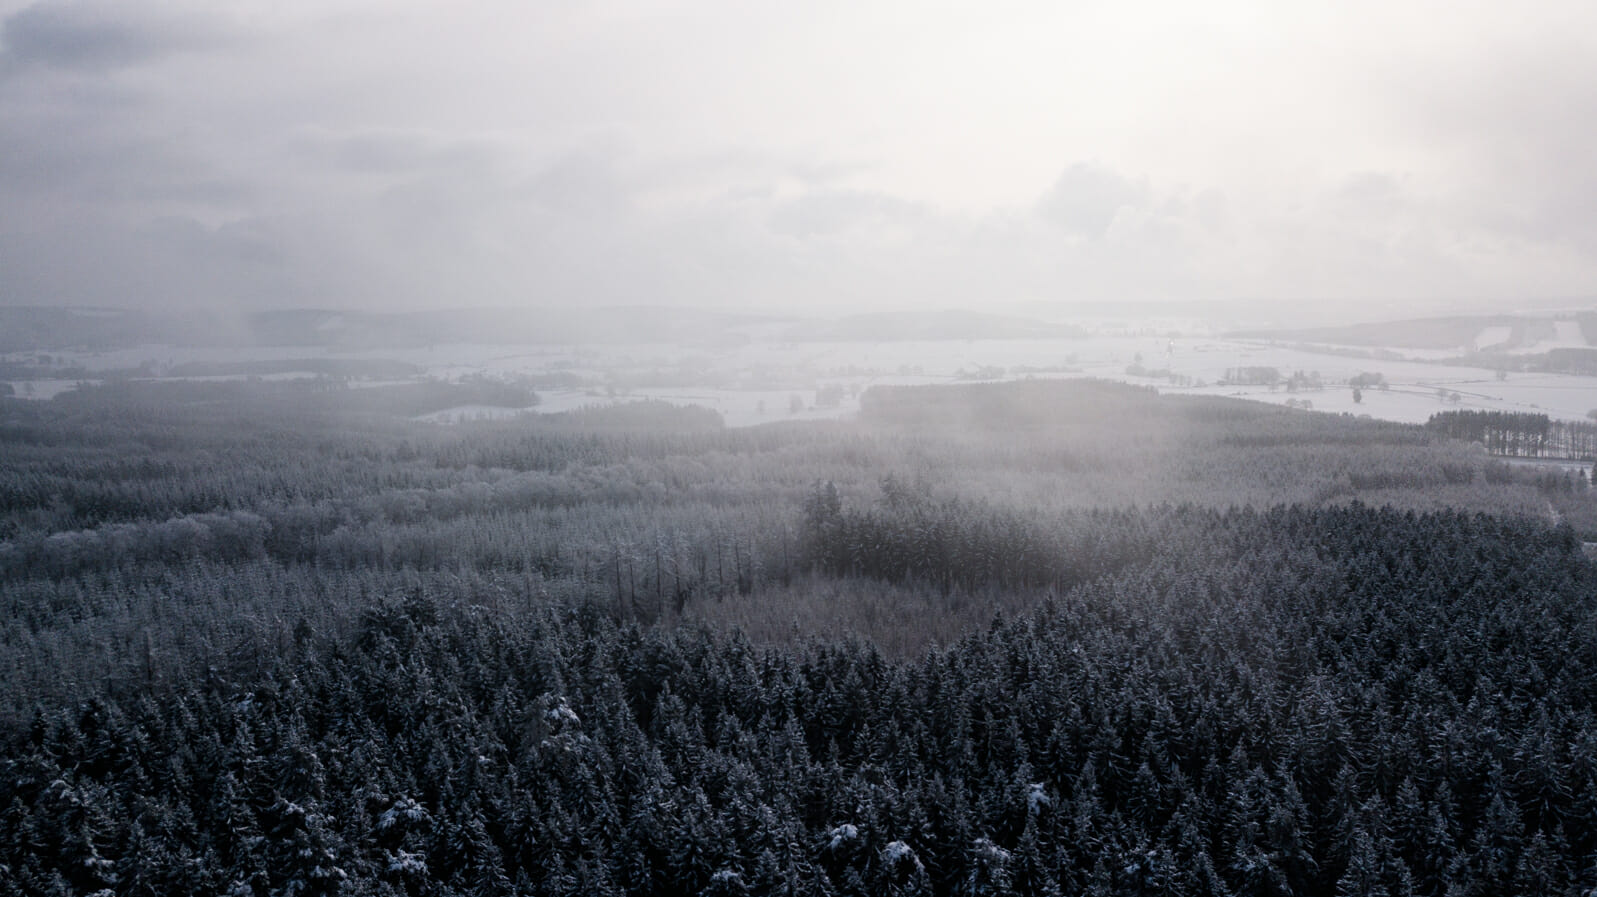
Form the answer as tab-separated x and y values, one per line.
1520	434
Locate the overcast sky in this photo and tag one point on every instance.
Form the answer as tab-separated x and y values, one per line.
838	153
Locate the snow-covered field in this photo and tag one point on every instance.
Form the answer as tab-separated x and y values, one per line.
1490	337
761	380
1416	390
1566	335
1531	337
42	389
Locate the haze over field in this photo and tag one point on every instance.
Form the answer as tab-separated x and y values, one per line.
1311	161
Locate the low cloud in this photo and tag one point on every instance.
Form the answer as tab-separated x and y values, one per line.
1086	198
822	213
1517	131
102	36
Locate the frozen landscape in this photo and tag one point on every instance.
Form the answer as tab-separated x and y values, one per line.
950	449
757	373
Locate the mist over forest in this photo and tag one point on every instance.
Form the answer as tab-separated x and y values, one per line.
829	449
1046	634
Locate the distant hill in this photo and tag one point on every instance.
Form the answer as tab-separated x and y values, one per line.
30	328
1468	333
27	328
928	325
1416	333
617	324
1553	343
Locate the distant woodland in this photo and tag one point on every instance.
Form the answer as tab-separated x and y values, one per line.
1041	637
1520	434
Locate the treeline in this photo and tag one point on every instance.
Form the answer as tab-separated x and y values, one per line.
341	368
1318	702
324	395
1577	361
1519	434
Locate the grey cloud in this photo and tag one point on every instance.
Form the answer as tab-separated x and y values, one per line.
104	160
1086	198
251	242
586	183
393	152
827	171
163	263
432	154
1370	189
747	171
1519	127
101	36
1209	209
591	226
826	212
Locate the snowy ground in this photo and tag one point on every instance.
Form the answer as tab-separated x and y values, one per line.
1566	335
763	380
1495	338
1490	337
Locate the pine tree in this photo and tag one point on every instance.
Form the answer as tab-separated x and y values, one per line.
1363	875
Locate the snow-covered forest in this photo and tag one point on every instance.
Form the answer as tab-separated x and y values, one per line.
1040	637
